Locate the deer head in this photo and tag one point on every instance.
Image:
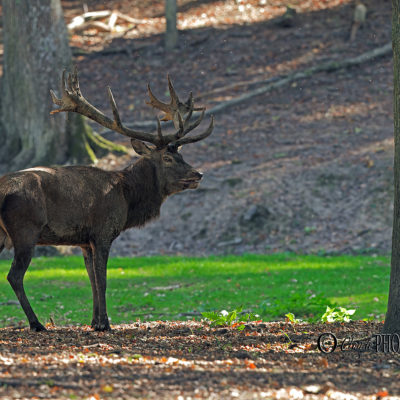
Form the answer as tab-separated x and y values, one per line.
162	149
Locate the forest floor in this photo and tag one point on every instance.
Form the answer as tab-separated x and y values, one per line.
304	168
190	360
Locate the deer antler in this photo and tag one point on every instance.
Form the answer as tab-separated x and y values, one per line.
73	100
175	106
176	109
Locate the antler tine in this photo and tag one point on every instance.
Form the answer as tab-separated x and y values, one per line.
192	139
69	82
157	103
62	103
165	140
190	104
174	107
75	81
56	101
114	108
181	131
196	123
174	97
159	133
72	100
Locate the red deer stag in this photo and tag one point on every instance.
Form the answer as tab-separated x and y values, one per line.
88	207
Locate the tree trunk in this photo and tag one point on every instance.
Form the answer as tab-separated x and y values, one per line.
392	320
171	34
36	51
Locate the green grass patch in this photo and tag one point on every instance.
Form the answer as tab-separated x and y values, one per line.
160	288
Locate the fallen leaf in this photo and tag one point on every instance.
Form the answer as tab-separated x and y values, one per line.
324	362
382	393
107	388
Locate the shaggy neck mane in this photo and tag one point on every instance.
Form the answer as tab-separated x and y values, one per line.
143	192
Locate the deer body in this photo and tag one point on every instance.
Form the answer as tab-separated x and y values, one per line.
89	207
71	205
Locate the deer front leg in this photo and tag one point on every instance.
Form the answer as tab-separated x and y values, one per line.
88	257
22	258
100	257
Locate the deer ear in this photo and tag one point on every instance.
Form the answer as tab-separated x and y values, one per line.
140	147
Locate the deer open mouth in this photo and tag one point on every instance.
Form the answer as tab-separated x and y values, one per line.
191	183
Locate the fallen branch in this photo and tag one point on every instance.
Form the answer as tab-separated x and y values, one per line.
112	20
86	20
200	40
92	15
325	67
129	49
100	26
80	20
237	85
127	18
329	66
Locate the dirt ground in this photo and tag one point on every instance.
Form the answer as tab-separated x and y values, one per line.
306	168
190	360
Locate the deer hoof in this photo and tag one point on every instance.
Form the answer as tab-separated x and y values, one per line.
37	327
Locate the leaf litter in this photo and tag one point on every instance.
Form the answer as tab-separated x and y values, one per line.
192	359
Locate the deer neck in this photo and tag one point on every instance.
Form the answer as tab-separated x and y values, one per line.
143	192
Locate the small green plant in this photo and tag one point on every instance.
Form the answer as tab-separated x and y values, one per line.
370	318
334	315
288	337
228	318
291	318
220	318
309	229
308	306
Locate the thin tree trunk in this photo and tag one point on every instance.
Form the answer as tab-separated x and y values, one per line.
392	320
36	50
171	33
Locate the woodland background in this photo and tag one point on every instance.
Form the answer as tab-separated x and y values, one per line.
305	168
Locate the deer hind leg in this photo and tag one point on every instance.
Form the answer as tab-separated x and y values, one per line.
88	257
24	244
22	259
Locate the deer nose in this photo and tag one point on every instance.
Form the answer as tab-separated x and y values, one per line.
197	174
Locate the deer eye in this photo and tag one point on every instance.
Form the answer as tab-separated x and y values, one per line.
167	159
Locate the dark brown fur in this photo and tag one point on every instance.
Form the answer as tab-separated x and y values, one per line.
86	207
